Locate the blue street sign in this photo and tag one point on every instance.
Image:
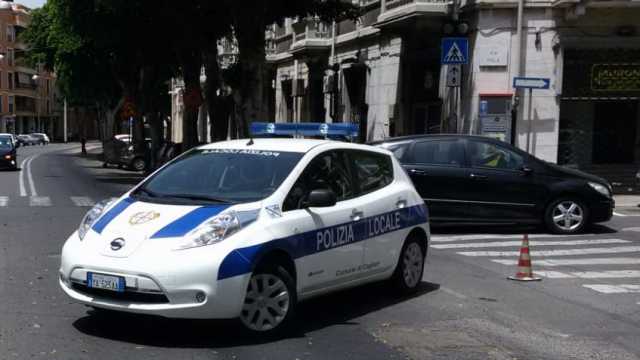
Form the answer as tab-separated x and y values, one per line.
531	83
454	51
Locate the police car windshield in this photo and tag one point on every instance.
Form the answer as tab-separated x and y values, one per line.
220	175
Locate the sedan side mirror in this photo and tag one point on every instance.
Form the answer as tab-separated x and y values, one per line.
321	198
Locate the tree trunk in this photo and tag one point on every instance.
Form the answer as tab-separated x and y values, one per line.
217	119
250	99
191	65
111	119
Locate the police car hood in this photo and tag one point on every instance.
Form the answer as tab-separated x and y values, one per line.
137	221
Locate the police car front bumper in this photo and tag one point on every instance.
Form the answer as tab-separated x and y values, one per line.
169	287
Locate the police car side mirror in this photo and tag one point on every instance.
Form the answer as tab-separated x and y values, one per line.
321	198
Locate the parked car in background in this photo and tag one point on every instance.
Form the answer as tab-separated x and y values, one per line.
42	139
14	139
27	140
121	152
8	152
479	180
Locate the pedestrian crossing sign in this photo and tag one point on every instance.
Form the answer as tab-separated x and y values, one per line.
455	51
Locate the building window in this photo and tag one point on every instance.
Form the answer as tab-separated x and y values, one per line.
1	104
10	78
10	34
11	100
10	57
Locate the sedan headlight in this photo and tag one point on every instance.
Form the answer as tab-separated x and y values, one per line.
93	215
600	188
218	228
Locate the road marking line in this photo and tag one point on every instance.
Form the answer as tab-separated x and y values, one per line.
4	201
614	289
612	274
441	238
533	243
23	191
32	186
453	292
564	252
618	214
82	201
571	262
553	274
39	201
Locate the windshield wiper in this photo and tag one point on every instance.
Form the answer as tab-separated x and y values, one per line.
197	198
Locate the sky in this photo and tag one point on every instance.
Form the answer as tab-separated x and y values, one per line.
31	3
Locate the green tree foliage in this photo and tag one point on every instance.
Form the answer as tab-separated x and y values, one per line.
106	50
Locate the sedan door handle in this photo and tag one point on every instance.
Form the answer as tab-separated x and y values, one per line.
401	204
356	215
417	172
478	177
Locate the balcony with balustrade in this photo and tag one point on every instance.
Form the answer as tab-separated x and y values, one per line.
310	35
395	11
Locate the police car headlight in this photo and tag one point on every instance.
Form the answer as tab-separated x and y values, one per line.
93	215
218	228
600	188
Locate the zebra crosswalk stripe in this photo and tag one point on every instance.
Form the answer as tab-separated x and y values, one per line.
533	243
614	289
610	274
82	201
477	237
39	201
563	252
4	201
573	262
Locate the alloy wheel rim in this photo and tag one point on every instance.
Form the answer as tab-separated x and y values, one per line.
413	263
266	303
568	215
138	165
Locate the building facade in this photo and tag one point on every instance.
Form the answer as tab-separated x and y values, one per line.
27	96
383	72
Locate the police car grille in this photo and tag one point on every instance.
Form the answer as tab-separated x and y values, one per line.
127	296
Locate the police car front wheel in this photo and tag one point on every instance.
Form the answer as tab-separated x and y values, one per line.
270	300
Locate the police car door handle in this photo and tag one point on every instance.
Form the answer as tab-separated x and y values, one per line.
401	204
417	172
356	215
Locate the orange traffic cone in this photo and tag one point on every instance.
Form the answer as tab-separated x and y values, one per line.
524	264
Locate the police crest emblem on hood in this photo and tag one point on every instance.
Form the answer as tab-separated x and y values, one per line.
143	217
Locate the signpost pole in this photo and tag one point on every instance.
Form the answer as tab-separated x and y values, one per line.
530	122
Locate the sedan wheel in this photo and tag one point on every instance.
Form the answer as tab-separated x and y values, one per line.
269	301
139	164
566	216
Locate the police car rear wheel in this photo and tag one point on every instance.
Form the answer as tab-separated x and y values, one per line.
269	301
410	267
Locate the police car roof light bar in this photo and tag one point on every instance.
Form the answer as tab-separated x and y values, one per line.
265	129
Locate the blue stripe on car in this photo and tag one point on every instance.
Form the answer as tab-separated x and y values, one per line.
188	222
116	210
241	261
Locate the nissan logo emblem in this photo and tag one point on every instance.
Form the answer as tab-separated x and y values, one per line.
117	244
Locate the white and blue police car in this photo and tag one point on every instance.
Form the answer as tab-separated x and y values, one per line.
246	229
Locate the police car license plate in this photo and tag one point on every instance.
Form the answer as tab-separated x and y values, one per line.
105	282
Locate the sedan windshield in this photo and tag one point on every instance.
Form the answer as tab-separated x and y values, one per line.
5	142
220	175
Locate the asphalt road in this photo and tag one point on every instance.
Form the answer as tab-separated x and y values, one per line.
586	307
